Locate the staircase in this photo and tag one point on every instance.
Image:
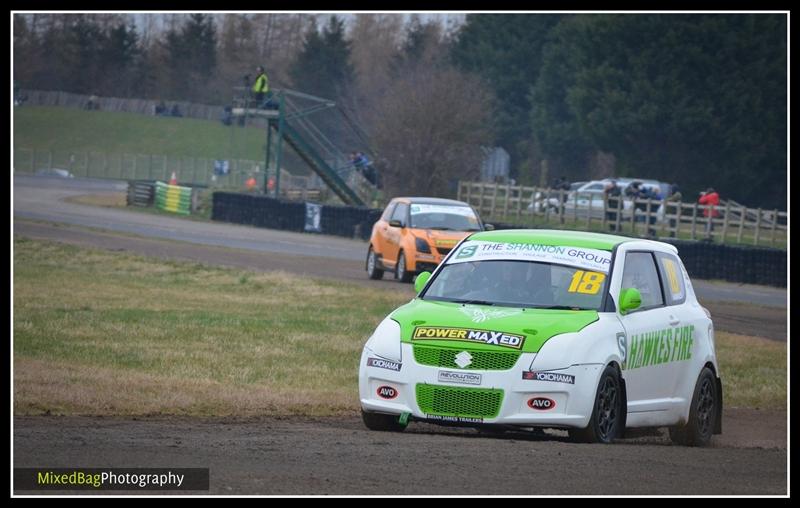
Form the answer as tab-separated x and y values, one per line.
313	146
310	156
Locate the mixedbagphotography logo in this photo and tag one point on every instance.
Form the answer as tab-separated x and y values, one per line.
44	478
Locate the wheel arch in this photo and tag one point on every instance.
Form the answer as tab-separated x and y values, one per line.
378	256
718	381
623	395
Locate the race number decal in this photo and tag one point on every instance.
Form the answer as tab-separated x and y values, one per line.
672	276
587	283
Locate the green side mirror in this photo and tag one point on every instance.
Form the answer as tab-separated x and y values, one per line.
488	227
422	279
629	299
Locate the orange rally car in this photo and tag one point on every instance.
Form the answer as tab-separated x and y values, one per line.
415	234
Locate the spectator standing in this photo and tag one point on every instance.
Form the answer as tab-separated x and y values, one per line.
651	194
93	104
260	87
251	184
710	198
672	207
612	194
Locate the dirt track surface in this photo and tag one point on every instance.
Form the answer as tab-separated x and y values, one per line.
340	456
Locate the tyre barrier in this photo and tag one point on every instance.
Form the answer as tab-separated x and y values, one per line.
173	198
267	212
140	193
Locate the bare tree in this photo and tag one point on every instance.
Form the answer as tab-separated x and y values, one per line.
375	39
428	129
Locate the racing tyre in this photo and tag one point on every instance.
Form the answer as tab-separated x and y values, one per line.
402	274
604	425
372	265
382	422
702	414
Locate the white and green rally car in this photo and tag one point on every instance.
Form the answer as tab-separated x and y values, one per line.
586	332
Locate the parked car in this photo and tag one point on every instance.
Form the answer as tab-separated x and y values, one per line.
550	198
589	198
529	329
62	173
415	233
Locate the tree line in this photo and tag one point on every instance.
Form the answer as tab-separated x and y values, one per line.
695	99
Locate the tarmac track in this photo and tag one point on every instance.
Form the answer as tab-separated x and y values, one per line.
338	455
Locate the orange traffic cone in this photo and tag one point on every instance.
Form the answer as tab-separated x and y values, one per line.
174	179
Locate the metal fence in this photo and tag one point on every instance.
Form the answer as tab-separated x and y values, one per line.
197	171
128	105
730	222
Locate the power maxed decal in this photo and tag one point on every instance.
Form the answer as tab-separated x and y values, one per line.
469	335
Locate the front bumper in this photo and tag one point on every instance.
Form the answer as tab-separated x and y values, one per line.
570	405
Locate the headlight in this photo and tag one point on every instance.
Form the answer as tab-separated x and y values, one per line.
422	245
385	341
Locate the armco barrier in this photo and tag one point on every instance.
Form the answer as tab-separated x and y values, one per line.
267	212
749	265
173	198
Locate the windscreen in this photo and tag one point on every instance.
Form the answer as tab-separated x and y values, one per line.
523	275
444	217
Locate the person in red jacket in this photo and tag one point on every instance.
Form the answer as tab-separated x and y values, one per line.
710	198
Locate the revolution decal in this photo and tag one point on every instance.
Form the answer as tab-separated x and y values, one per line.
464	378
468	335
660	346
384	364
590	259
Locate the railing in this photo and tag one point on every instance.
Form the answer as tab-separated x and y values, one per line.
136	166
128	105
541	207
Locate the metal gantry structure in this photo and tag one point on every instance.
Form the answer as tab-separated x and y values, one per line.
287	120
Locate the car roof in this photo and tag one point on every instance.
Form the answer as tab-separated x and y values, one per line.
553	237
560	237
627	181
430	201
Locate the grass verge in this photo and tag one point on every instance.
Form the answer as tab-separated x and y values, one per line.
106	333
753	371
